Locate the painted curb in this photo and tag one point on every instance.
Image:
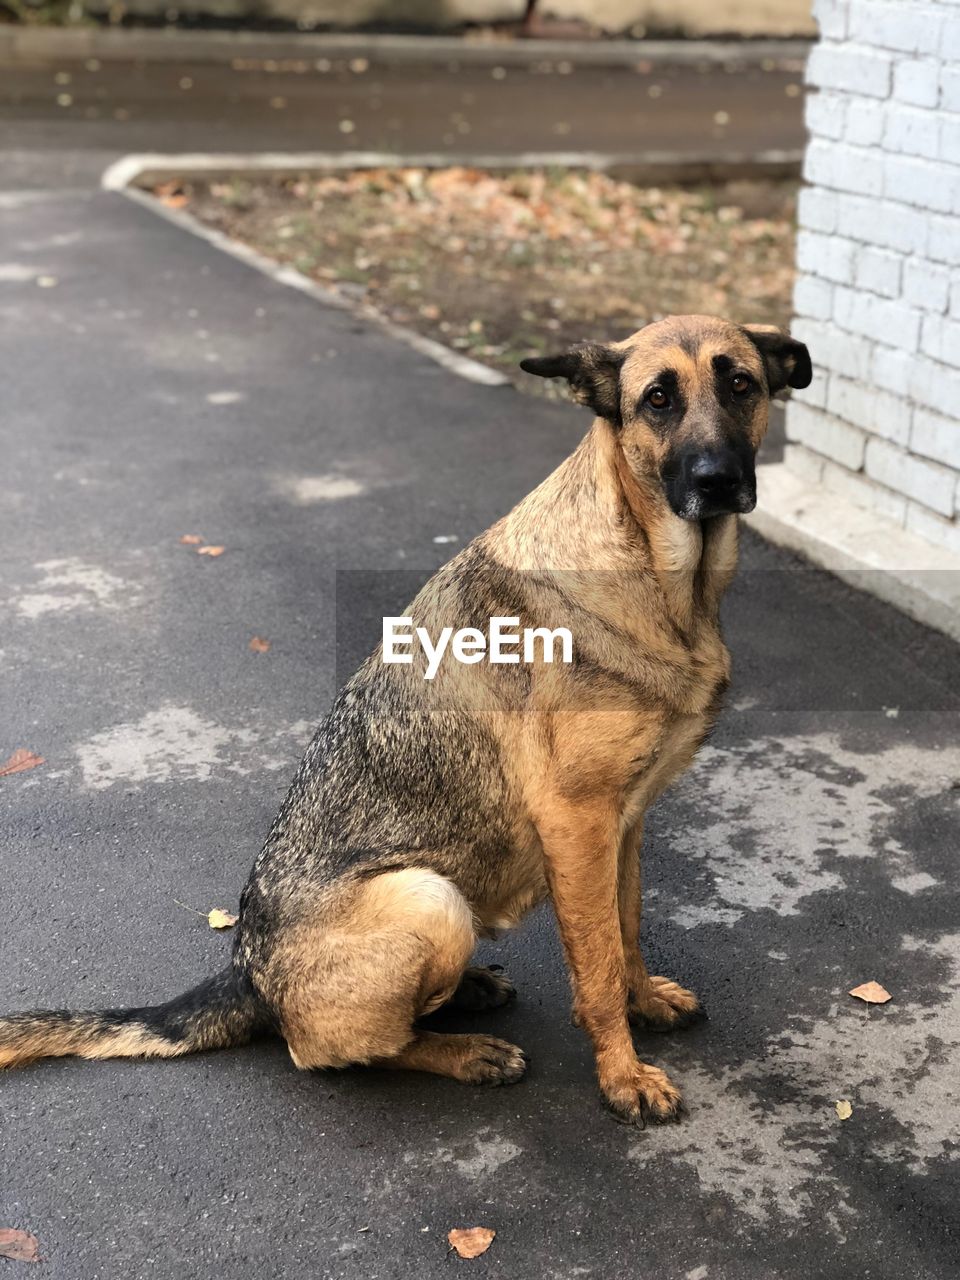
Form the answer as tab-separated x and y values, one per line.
657	166
31	43
866	550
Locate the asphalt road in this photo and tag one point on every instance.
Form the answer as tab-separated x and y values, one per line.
64	121
155	388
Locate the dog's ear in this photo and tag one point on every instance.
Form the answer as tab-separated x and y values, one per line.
786	360
593	372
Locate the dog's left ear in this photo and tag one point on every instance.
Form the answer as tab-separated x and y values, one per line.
787	361
593	372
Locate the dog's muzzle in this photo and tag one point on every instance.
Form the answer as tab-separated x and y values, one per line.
710	482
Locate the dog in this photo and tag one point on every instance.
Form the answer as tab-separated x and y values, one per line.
426	813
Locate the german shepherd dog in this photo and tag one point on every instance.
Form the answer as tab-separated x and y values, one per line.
427	813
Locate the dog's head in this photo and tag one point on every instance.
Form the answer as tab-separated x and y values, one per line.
689	398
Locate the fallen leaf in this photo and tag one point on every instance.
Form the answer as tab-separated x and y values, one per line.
210	551
191	539
20	761
220	919
844	1109
19	1246
470	1242
259	645
871	992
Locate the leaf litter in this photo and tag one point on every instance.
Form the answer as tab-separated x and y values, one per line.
471	1242
505	265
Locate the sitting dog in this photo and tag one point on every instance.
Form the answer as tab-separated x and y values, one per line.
428	812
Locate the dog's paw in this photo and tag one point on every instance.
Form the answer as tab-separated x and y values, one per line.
647	1095
664	1006
487	1060
483	989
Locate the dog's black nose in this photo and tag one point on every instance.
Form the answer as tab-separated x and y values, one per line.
715	472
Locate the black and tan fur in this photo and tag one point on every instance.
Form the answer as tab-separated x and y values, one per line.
428	813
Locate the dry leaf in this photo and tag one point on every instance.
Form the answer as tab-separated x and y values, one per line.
844	1109
19	1246
220	919
470	1242
191	539
20	761
871	992
259	645
210	551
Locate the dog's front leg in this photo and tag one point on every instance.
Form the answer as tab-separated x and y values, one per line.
658	1003
581	853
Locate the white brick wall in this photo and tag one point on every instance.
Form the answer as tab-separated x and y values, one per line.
877	296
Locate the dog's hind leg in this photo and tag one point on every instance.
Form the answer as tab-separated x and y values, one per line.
354	986
482	988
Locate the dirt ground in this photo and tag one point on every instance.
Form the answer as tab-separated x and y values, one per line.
500	267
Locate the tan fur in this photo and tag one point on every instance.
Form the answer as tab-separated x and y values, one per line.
394	951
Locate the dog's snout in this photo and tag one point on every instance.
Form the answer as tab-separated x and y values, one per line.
707	481
715	472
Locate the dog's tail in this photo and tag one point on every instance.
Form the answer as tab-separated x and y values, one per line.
217	1014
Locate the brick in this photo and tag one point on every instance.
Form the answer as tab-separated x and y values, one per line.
860	170
825	435
907	28
878	412
856	488
830	257
921	183
917	81
831	16
950	41
878	271
950	88
843	66
925	482
883	223
817	209
943	240
826	114
940	339
954	296
813	297
925	285
890	370
803	463
950	139
865	121
815	394
936	438
935	386
879	318
944	533
832	349
913	131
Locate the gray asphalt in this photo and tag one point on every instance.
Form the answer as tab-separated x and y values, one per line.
155	388
68	129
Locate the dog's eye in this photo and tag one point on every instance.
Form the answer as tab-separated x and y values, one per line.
657	398
740	384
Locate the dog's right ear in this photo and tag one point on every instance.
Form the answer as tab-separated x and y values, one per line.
593	372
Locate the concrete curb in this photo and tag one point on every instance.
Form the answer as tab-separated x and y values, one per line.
26	44
867	551
650	166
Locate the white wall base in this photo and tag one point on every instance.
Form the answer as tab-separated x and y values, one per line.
870	552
